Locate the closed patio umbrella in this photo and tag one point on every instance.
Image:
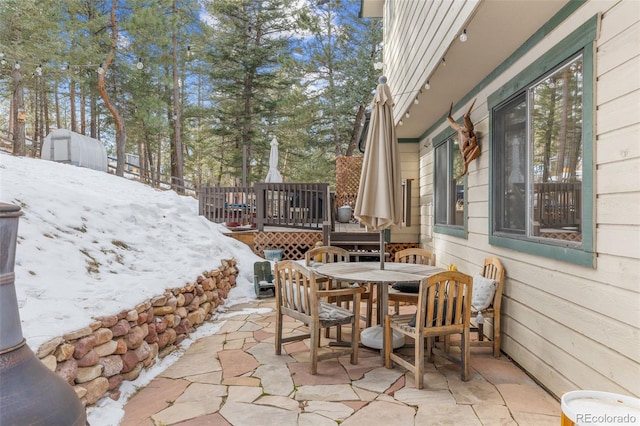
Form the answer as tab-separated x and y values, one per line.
273	175
378	205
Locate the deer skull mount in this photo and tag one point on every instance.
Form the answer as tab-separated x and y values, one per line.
467	138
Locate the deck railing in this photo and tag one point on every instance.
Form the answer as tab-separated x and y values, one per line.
558	204
295	205
228	204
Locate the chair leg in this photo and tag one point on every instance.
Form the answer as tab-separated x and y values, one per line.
419	362
496	336
314	343
388	337
465	353
327	330
355	333
480	332
278	340
370	307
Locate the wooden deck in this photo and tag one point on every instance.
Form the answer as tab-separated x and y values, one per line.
294	217
296	242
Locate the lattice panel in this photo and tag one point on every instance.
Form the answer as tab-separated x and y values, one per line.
348	171
393	248
567	236
293	244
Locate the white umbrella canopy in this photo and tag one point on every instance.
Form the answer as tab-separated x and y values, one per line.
273	175
379	202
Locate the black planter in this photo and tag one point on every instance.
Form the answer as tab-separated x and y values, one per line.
30	393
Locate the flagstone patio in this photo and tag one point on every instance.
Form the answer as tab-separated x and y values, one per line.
235	378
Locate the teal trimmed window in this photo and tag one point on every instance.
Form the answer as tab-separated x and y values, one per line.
449	187
541	167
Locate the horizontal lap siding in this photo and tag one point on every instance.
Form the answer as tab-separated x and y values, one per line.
426	198
409	167
569	326
618	145
618	176
409	61
619	208
553	320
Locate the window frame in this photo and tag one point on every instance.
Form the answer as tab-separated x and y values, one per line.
460	231
582	40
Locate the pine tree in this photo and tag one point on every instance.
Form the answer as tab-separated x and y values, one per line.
249	39
28	43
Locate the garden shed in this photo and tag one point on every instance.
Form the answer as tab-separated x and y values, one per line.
65	146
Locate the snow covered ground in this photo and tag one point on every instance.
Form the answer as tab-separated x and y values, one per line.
93	244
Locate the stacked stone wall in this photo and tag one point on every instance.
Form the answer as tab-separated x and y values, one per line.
96	359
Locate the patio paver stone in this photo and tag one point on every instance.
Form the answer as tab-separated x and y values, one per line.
235	378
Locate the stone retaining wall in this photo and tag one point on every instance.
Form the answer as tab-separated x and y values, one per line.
97	358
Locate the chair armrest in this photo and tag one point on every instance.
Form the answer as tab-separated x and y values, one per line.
341	292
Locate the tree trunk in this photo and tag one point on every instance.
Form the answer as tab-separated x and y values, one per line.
121	133
56	101
19	144
72	105
83	118
12	108
45	107
35	108
546	156
143	152
158	161
177	180
562	136
247	127
356	131
94	115
43	118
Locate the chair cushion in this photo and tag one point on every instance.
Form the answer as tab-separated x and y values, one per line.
330	314
407	286
372	337
412	321
483	291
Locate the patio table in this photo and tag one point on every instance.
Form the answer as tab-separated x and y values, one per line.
370	272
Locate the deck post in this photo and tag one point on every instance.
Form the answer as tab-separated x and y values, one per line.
261	208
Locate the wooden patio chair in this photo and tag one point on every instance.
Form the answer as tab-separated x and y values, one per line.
298	296
326	254
492	271
492	274
331	254
436	316
408	292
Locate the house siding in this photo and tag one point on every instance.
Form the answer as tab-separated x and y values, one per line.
409	170
570	326
436	23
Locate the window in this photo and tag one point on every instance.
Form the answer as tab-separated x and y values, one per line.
541	154
538	137
449	187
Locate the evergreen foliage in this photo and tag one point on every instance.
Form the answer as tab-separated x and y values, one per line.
200	86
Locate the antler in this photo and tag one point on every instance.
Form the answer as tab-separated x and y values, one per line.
467	139
453	123
467	117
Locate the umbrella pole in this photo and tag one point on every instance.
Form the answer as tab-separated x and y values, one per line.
382	249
